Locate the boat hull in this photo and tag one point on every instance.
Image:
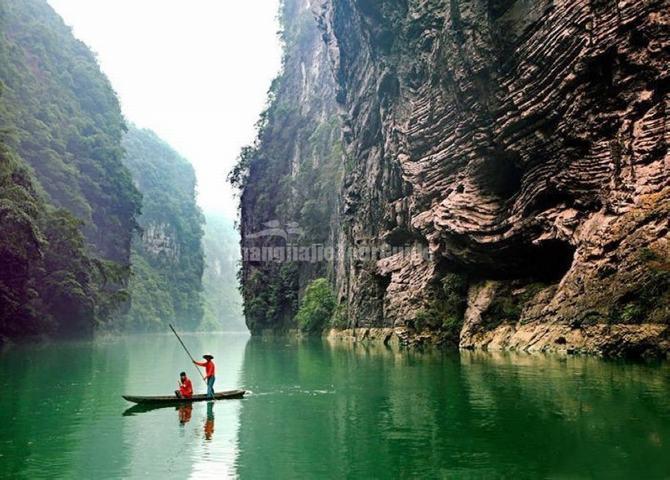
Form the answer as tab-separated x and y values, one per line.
174	400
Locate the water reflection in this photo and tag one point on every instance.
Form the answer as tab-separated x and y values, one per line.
319	410
185	413
361	409
55	409
209	421
63	418
188	445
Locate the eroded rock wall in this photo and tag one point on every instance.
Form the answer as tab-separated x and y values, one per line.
519	151
523	143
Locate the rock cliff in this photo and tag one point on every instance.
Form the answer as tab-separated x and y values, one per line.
519	150
167	257
290	177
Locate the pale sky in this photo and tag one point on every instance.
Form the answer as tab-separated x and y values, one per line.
196	72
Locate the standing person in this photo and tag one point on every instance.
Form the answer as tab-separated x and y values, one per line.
185	386
209	373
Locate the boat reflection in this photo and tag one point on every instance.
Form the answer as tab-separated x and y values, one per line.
143	408
159	445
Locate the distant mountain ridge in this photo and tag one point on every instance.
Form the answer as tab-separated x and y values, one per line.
69	205
167	256
223	301
99	221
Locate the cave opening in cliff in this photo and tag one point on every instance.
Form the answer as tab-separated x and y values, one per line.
497	8
550	260
547	262
547	199
499	174
383	282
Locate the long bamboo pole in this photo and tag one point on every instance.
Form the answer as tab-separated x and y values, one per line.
187	352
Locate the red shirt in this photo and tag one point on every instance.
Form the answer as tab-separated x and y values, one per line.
186	388
209	368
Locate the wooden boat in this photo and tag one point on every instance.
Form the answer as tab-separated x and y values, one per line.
174	400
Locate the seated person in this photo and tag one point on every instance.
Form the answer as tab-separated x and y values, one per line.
185	386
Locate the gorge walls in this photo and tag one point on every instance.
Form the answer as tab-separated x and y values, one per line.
520	149
68	206
99	228
290	177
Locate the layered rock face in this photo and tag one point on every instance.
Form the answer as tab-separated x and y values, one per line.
158	239
523	143
520	150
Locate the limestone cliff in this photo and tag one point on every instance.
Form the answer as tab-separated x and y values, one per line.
291	176
167	256
520	149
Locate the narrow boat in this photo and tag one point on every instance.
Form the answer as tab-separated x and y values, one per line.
174	400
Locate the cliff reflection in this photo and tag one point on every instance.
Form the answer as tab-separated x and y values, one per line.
54	418
361	409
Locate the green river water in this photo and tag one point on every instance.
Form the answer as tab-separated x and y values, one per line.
322	411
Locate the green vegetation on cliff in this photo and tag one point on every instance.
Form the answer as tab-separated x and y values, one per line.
316	307
60	115
447	307
48	281
73	180
290	177
67	203
168	258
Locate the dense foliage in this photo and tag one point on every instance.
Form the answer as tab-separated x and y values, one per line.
270	294
71	174
61	116
168	258
447	307
316	307
67	203
48	281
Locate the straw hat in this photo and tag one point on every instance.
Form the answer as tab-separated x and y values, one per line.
208	355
